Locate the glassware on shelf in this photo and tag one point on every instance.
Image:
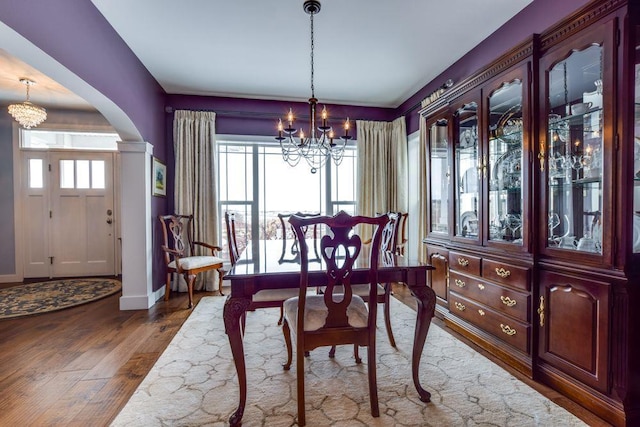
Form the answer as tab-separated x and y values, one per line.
574	169
513	223
505	168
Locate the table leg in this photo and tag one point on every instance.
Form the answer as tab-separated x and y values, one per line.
426	299
234	308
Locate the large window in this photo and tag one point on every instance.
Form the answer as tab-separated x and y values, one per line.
257	184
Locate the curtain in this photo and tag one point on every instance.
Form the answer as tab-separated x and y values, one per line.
422	216
382	177
195	192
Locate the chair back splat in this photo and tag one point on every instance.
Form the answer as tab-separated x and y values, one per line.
338	316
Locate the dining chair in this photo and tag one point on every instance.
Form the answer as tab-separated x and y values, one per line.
180	253
383	290
294	248
337	316
263	299
401	239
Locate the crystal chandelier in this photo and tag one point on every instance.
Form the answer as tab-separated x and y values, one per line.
27	114
319	146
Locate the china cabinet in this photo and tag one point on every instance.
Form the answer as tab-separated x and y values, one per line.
533	196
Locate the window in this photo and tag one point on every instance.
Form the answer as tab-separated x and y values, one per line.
49	139
82	174
257	184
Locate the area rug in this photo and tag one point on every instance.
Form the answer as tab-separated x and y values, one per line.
194	381
35	298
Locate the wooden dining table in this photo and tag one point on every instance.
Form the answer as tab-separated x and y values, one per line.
269	265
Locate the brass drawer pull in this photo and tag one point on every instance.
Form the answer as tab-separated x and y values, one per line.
541	311
463	261
502	272
507	301
459	306
481	286
481	312
459	283
507	329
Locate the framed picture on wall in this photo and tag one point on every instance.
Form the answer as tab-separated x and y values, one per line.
159	181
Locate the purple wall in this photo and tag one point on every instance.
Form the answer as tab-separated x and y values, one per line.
239	116
534	19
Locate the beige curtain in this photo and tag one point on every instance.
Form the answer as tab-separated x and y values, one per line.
422	216
194	135
382	178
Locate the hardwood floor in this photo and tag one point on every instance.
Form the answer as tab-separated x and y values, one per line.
79	366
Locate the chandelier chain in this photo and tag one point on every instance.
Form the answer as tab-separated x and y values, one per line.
312	47
318	145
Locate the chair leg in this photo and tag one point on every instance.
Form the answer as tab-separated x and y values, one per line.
220	276
373	386
332	352
387	314
243	322
300	385
167	288
191	278
356	354
286	331
281	315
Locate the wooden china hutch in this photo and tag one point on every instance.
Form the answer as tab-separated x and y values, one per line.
533	199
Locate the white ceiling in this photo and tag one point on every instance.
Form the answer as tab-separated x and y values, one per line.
367	52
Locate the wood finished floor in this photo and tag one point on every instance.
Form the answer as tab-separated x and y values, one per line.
79	366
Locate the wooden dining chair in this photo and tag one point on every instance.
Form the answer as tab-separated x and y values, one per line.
263	299
337	316
383	290
291	252
180	253
401	239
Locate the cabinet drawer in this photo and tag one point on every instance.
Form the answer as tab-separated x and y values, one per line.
465	263
509	330
502	299
507	274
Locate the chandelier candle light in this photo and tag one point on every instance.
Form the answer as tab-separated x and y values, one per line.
319	145
27	114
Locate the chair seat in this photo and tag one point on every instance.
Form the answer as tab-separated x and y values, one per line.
193	262
316	312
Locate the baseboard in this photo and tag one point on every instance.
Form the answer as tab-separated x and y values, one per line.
11	278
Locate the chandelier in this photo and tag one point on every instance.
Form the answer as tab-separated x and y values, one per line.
27	114
319	145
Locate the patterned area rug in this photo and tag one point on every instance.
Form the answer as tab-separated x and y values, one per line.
36	298
194	381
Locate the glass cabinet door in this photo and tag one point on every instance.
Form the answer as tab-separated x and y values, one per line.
575	152
505	172
467	172
440	176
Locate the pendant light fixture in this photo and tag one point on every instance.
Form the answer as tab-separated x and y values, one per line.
27	114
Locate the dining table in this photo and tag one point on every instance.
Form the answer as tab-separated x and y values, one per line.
268	265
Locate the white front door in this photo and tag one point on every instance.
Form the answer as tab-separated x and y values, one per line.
78	229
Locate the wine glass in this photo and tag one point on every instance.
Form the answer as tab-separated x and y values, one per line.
554	222
513	223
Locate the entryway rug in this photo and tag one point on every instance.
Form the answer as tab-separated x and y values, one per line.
194	382
36	298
